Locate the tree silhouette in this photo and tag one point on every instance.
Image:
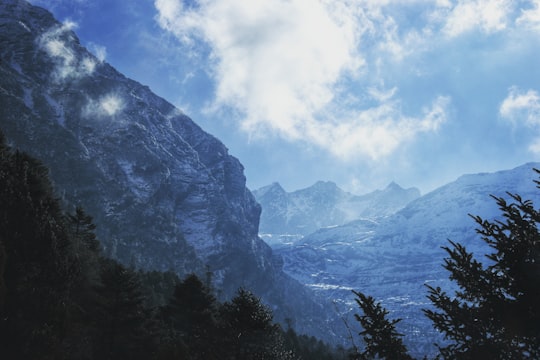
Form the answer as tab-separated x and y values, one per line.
39	272
191	317
124	324
249	330
495	313
381	339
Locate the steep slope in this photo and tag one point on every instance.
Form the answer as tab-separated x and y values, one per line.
392	259
164	194
324	204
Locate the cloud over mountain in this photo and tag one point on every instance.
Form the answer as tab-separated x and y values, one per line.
368	90
69	64
522	108
284	67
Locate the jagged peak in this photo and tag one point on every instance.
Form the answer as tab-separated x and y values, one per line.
324	186
273	188
394	186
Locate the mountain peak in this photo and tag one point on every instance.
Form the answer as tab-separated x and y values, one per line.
273	189
393	186
324	185
164	194
324	204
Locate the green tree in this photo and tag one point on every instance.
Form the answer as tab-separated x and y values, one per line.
381	339
495	313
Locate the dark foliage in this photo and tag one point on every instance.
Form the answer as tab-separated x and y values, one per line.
61	299
191	318
249	330
309	347
125	325
40	269
381	339
495	313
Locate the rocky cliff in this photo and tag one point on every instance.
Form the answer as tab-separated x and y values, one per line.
164	194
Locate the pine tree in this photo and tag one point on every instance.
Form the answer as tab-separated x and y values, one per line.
86	250
250	331
495	313
191	317
381	339
40	272
125	328
82	228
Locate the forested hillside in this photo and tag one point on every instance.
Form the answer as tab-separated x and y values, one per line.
60	298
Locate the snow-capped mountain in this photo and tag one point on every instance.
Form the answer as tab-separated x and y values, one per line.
293	215
164	194
393	258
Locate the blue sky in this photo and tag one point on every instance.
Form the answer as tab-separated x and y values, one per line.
359	92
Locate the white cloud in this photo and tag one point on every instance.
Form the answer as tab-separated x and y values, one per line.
378	131
381	95
534	147
108	105
523	108
282	64
100	52
530	18
56	42
488	16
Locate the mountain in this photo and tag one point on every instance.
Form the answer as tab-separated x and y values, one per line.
322	205
165	195
391	259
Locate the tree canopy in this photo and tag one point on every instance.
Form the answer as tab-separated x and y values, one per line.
495	311
60	298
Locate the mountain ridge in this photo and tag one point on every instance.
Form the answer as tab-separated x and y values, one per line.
164	194
323	204
391	259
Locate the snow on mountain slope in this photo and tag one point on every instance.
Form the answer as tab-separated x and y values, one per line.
392	259
287	216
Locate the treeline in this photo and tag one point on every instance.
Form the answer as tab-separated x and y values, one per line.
60	298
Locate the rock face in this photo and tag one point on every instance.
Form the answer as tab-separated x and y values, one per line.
392	258
164	194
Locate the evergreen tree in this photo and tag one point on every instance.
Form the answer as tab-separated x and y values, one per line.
82	229
40	271
495	313
87	251
249	330
158	287
309	348
125	327
191	318
381	339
